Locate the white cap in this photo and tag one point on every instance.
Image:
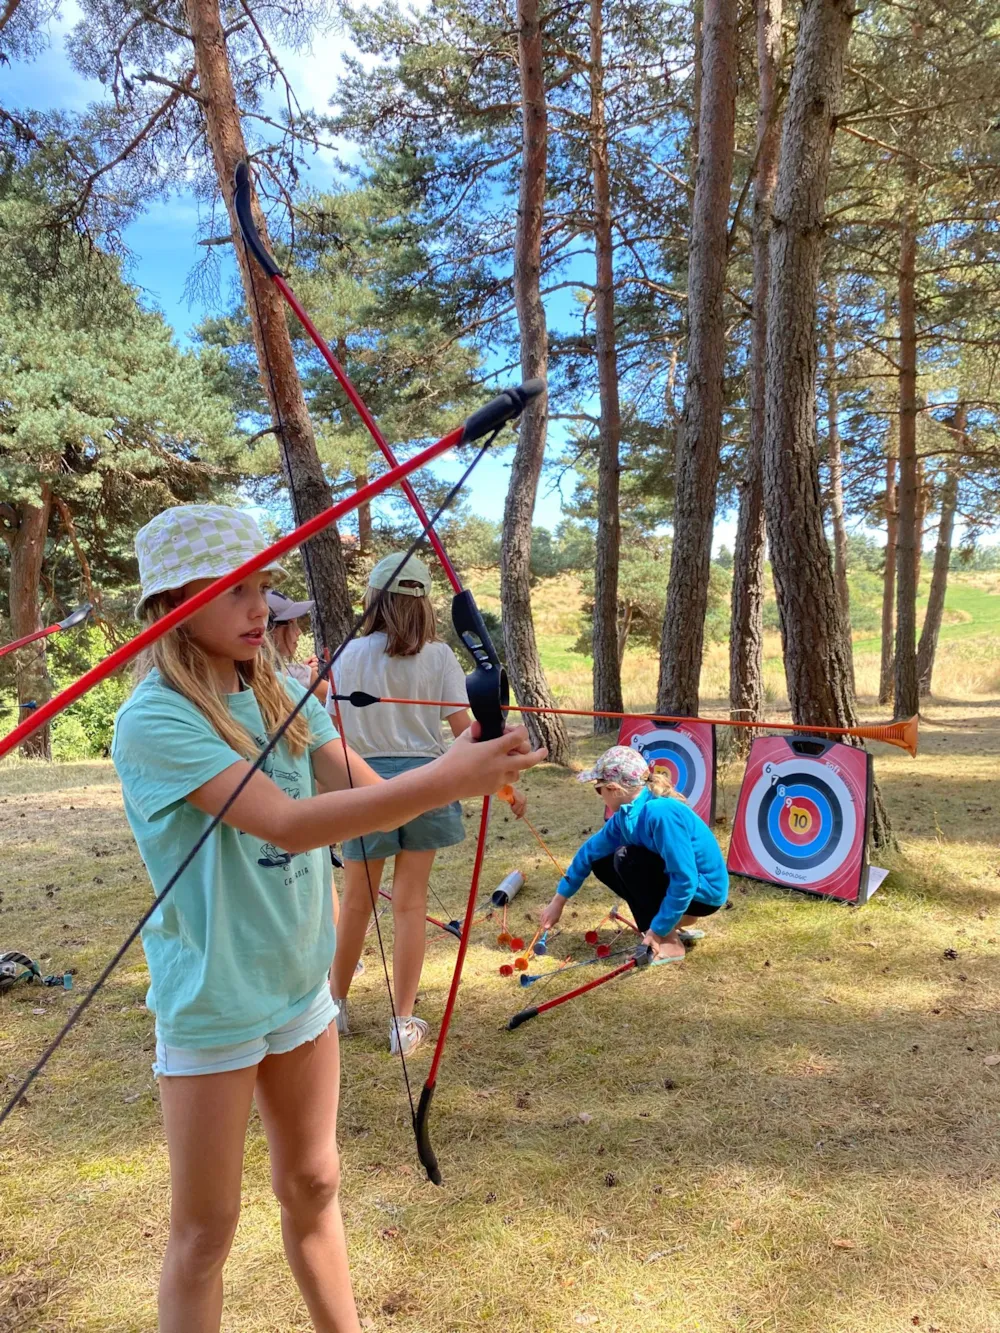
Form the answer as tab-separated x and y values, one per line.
282	608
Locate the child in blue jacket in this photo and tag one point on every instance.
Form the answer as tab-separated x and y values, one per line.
653	851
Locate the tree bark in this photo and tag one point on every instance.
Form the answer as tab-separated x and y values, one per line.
919	519
746	637
364	516
836	464
524	663
907	694
817	663
888	583
308	487
607	672
26	544
927	649
700	438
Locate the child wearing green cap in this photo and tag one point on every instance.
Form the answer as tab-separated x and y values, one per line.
399	656
240	949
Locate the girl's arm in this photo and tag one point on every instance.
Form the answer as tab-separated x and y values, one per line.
265	811
330	768
606	840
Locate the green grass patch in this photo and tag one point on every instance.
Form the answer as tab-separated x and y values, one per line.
795	1131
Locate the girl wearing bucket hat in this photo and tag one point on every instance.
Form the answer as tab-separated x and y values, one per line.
239	951
653	851
400	656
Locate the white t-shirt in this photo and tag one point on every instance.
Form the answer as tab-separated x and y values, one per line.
384	730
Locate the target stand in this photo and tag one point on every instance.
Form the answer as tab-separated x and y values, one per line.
803	817
685	750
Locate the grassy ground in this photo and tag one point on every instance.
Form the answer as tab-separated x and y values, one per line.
795	1131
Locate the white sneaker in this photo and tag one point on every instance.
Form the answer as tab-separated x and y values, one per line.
341	1019
406	1034
359	969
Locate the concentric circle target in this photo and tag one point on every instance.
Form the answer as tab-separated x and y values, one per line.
679	755
800	820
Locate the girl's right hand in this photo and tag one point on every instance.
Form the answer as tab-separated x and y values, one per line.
479	768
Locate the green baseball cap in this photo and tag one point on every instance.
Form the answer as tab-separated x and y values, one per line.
385	576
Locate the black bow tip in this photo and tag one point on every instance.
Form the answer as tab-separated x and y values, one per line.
425	1152
506	406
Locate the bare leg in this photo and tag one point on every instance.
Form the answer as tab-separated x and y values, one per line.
409	908
297	1098
355	913
205	1117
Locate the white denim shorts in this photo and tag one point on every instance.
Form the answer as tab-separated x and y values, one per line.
177	1061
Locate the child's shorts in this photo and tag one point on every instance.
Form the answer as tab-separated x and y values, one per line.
176	1061
429	832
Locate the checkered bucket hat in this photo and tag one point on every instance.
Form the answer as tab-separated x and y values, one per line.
192	542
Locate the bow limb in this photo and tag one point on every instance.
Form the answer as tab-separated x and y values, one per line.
75	618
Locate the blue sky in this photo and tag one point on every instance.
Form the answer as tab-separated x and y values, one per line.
164	250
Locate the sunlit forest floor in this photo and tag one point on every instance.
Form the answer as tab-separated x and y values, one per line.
794	1131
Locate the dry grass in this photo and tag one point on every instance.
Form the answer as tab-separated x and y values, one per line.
795	1132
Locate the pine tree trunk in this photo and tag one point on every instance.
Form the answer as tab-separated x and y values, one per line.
607	672
836	465
308	487
524	663
746	638
927	649
907	694
700	438
888	583
919	520
364	516
27	552
817	664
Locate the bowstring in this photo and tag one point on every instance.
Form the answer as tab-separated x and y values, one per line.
218	818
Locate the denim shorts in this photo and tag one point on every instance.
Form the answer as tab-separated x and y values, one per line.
429	832
175	1061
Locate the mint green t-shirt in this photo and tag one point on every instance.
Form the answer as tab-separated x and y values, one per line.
243	941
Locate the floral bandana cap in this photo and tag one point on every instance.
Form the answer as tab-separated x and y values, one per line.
191	542
621	765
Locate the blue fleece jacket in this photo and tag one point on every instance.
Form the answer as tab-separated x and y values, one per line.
670	828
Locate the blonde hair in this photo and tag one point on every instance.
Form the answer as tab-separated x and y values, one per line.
407	622
184	665
658	782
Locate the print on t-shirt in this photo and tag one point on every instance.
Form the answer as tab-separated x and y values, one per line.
271	857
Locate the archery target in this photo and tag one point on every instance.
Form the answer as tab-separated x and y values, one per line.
685	750
802	816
